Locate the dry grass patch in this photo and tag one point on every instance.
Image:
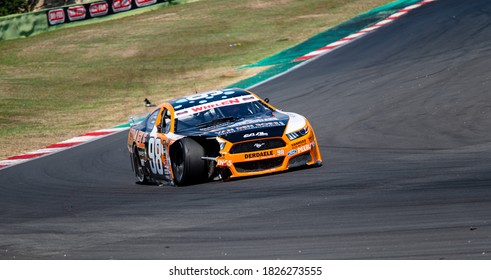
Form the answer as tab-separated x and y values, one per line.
259	4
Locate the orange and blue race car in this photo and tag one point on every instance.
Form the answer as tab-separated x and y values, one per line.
223	134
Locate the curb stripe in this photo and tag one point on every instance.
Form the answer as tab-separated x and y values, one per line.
26	156
348	39
60	146
98	133
63	145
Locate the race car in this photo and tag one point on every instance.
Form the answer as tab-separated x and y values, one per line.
223	134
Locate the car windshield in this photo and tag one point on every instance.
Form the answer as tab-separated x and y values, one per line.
221	115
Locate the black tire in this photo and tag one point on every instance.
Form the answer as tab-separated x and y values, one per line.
140	175
187	165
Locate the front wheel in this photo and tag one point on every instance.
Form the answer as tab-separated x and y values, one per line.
187	165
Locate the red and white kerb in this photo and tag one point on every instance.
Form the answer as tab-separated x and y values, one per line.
87	137
346	40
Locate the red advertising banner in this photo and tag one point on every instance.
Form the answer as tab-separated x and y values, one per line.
76	13
95	9
56	16
121	5
98	9
143	3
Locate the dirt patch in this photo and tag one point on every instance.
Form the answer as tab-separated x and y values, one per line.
314	16
160	17
259	4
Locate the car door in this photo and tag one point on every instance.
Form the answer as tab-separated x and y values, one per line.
158	146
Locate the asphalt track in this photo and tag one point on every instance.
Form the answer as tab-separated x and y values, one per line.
403	117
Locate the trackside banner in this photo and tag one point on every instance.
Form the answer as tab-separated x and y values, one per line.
95	9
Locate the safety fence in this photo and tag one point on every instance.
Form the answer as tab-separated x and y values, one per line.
25	25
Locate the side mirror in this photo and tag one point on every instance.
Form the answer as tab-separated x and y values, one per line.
132	122
266	100
148	103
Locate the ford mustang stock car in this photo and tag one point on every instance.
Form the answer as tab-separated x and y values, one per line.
222	134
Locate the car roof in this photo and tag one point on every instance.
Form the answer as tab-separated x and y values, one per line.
206	97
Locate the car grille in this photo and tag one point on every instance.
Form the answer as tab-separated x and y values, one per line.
301	160
259	165
257	145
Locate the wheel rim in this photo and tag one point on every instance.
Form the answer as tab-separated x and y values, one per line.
140	174
178	165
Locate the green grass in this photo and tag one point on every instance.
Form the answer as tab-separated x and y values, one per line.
60	84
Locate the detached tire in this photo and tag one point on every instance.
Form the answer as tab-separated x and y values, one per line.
187	165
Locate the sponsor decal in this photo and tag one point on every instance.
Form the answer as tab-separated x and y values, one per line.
227	131
143	3
258	154
256	134
304	148
244	127
207	100
299	143
208	106
224	162
56	16
292	152
233	129
269	124
239	127
98	9
216	104
141	136
76	13
254	121
121	5
280	152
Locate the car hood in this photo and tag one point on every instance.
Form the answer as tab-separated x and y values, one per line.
244	129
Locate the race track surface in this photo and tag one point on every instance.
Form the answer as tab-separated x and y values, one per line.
403	117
